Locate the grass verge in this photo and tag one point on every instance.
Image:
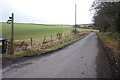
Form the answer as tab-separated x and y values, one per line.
0	43
31	53
110	44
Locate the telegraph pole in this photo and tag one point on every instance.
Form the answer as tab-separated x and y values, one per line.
11	20
75	13
75	16
12	35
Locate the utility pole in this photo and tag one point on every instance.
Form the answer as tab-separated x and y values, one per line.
12	35
75	16
75	13
11	20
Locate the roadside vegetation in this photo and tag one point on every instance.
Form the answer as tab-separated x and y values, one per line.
107	20
87	30
46	47
39	39
0	43
36	39
38	48
112	50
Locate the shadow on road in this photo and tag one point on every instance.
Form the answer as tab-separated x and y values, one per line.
103	66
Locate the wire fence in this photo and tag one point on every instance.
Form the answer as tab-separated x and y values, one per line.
46	42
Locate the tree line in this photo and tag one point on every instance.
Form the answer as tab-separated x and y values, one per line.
106	16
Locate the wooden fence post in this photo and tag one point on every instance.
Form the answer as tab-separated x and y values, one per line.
57	36
31	42
51	37
65	35
44	39
61	35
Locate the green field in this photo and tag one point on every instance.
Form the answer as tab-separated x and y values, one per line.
86	30
26	31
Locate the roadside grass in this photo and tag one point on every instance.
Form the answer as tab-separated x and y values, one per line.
31	53
0	51
111	43
25	31
0	43
87	30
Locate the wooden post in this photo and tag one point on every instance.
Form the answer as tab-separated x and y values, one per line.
44	39
31	42
57	36
12	36
51	37
61	35
65	35
75	17
75	14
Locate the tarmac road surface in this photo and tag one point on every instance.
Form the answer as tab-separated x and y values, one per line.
83	59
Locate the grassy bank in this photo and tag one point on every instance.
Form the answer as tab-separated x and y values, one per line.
0	43
110	43
53	47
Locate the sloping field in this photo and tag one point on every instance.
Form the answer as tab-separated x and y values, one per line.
38	31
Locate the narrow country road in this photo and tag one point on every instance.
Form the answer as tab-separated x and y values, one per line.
83	59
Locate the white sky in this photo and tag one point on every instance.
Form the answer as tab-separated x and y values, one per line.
47	11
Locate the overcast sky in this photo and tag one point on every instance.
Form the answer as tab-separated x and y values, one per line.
47	11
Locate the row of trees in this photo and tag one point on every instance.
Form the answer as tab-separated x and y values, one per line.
107	16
